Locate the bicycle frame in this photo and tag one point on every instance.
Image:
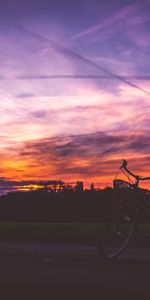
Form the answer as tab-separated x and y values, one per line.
127	201
139	193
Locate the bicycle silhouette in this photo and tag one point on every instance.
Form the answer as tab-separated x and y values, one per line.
127	201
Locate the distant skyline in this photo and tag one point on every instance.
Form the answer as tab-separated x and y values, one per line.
62	117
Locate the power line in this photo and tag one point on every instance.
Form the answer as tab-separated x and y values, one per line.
69	52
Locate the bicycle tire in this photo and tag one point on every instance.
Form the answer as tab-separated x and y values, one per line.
117	233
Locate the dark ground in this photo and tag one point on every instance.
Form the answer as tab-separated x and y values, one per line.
58	271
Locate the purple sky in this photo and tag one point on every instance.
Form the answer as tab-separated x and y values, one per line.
55	127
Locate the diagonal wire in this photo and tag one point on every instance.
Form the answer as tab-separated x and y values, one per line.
71	53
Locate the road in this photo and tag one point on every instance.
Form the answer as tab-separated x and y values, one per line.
73	270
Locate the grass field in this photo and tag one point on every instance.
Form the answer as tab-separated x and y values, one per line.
50	232
50	227
83	233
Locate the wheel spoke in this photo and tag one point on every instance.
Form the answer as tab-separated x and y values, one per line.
117	234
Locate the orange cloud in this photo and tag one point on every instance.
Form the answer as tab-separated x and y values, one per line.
89	157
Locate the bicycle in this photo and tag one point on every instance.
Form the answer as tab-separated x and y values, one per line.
127	202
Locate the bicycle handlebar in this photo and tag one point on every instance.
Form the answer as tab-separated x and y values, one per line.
124	164
137	177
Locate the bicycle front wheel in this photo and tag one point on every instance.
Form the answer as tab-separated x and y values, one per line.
117	233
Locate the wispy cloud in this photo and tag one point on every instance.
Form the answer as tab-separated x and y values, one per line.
123	17
122	37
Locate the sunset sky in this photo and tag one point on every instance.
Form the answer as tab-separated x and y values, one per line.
74	115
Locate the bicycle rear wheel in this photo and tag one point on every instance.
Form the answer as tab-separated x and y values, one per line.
117	233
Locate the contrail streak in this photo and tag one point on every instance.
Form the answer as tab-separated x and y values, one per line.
71	53
78	76
70	76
